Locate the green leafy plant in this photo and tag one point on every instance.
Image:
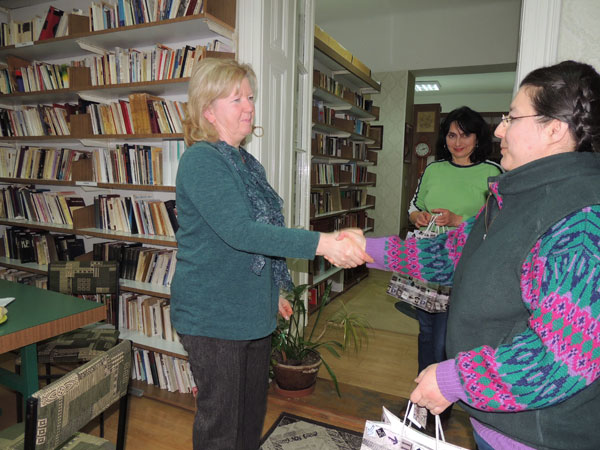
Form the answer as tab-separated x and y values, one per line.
290	341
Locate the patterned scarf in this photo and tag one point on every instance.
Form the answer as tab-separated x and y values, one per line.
266	207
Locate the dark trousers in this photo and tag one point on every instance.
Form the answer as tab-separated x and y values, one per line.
432	338
232	379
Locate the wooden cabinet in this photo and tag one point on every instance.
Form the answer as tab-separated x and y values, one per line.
341	157
216	22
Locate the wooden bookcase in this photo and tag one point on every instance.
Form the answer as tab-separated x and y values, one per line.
216	22
341	158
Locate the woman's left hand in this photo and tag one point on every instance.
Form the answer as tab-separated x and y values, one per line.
427	393
285	309
447	218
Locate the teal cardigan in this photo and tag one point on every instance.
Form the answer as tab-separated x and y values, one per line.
214	291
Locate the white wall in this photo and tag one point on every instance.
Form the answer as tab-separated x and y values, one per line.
444	35
579	33
481	102
392	103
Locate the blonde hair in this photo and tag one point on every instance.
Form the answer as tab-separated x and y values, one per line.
211	79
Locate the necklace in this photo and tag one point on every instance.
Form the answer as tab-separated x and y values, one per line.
487	222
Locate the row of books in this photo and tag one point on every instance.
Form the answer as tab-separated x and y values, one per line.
41	120
40	247
148	315
143	264
24	277
40	76
138	164
122	13
39	163
39	205
131	65
125	164
161	116
333	174
338	119
322	144
324	201
53	24
163	371
102	16
333	86
135	215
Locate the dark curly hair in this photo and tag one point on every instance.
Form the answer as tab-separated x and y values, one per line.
569	92
469	122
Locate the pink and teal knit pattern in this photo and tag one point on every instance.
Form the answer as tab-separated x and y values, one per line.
559	353
432	260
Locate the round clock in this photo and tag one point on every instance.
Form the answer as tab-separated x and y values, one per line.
422	149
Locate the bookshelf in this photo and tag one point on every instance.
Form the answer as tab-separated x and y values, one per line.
216	21
340	157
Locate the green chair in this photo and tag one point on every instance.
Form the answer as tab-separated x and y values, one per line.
57	412
81	278
78	278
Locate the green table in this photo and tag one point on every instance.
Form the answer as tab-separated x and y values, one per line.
36	315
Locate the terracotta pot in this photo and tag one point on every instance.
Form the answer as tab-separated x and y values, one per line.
297	377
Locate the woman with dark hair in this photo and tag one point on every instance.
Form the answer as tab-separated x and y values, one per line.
524	321
455	187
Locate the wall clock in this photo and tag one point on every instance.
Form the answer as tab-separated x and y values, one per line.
422	149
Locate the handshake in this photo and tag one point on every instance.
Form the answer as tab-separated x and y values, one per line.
345	248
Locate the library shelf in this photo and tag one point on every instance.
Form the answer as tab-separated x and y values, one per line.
346	72
325	275
339	104
115	137
166	31
154	344
340	83
172	86
333	131
144	288
100	185
125	285
166	241
216	22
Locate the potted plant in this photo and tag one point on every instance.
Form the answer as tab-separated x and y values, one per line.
297	357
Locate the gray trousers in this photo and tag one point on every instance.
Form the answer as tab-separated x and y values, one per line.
232	379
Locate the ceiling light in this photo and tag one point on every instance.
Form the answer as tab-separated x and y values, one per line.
427	86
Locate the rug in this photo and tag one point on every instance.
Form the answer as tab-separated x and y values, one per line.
291	432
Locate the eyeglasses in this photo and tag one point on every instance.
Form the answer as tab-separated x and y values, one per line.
507	119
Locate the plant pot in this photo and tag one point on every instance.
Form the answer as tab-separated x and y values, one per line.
299	376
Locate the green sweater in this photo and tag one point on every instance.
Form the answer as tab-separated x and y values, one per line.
214	292
460	189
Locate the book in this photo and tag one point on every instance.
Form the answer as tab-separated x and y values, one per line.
51	23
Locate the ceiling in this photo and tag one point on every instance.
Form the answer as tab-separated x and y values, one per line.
456	80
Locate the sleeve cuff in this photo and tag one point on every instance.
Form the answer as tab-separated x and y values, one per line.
448	381
376	249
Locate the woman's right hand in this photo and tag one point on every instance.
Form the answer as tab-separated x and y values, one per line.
345	252
420	218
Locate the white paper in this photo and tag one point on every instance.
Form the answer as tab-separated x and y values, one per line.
6	300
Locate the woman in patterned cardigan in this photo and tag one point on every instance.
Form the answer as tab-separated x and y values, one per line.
524	330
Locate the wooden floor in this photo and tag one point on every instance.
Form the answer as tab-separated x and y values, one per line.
380	375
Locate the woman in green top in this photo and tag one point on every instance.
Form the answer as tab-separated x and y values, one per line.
231	258
455	187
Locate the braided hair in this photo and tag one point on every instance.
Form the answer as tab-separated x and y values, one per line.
569	92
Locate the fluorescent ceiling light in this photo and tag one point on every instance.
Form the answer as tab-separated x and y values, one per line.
427	86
